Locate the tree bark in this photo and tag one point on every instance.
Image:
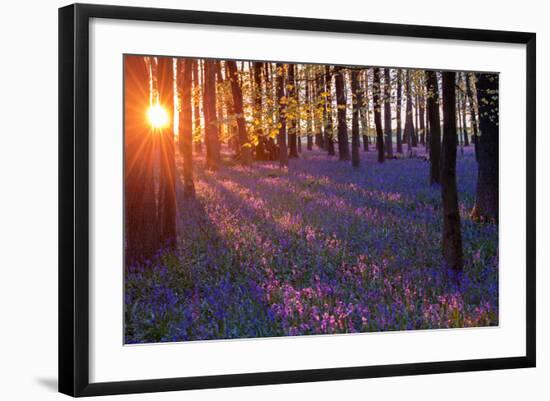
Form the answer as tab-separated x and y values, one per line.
185	125
167	178
357	103
377	95
364	111
141	237
409	125
210	116
197	134
291	113
280	84
486	206
387	113
245	154
475	128
464	98
452	237
398	112
308	108
343	144
435	128
329	128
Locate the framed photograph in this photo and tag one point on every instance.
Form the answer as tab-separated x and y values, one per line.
250	199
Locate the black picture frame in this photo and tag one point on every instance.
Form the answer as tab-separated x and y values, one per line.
74	198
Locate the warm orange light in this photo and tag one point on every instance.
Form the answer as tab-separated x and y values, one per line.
158	116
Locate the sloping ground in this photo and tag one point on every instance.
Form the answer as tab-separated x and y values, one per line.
319	249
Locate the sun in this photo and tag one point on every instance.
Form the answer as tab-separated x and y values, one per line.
158	116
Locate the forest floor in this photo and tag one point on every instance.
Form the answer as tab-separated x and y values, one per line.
320	249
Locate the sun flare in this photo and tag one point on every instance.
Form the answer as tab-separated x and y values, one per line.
158	116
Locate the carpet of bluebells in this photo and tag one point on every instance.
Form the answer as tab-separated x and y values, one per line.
319	249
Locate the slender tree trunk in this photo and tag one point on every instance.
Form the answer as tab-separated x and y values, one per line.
364	111
377	92
387	113
167	179
398	112
283	152
210	117
329	128
409	125
291	113
357	103
464	107
185	125
245	156
197	134
486	204
435	128
308	108
319	112
343	144
473	117
452	237
258	112
417	121
422	120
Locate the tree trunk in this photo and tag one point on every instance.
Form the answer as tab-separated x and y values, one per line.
210	117
291	113
435	128
357	102
364	111
486	204
308	109
409	125
398	112
422	121
452	237
245	156
197	134
329	128
387	113
377	95
283	152
464	107
475	130
141	237
343	144
185	126
258	112
319	111
167	178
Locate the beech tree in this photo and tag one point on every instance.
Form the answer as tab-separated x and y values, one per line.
167	179
210	116
387	113
196	106
452	236
486	203
141	235
357	102
377	96
470	88
244	145
329	128
292	112
281	101
398	136
409	125
343	144
185	125
435	127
